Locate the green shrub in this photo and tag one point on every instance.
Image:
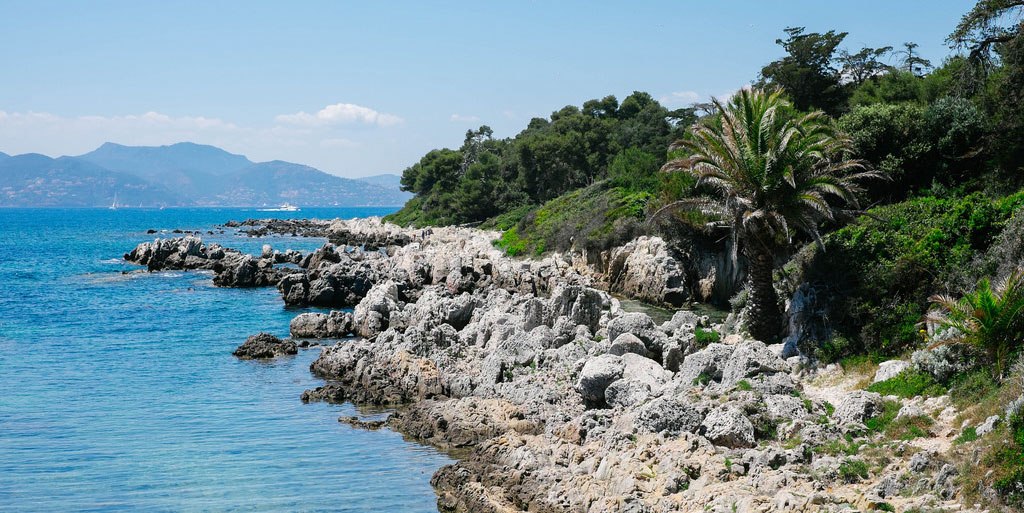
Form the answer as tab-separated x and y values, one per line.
969	434
884	267
594	218
704	337
991	317
909	428
853	470
909	383
1008	461
880	422
972	388
744	385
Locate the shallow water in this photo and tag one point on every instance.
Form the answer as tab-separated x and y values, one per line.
118	392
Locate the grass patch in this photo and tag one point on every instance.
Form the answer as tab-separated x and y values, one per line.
973	388
909	383
744	385
909	428
969	434
703	337
880	422
853	471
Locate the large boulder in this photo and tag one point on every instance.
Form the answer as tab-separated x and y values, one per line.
628	343
336	324
373	314
595	377
751	358
857	407
646	270
784	407
890	369
580	304
641	326
729	427
705	365
264	345
641	377
670	415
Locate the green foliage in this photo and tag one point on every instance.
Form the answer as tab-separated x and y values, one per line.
881	422
909	383
908	428
806	72
972	388
916	145
969	434
511	243
884	506
773	172
853	470
744	385
575	147
1009	461
595	217
703	337
886	265
991	317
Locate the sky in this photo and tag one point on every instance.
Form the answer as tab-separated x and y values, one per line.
362	88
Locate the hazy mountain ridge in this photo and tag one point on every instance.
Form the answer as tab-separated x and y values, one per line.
387	180
182	174
37	180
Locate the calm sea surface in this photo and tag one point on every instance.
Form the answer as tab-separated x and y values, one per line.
118	392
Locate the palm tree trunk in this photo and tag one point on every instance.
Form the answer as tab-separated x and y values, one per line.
764	319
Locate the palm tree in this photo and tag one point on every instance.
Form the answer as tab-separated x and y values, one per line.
772	171
991	317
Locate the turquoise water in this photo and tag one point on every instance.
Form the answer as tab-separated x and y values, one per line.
118	392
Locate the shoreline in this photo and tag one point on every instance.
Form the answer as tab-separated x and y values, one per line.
559	400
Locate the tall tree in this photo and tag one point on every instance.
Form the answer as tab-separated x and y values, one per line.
806	73
773	172
912	61
860	66
992	32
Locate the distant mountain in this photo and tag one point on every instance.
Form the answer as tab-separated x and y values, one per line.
186	168
4	155
34	180
277	182
387	181
183	174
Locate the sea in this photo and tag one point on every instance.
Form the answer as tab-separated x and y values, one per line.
118	390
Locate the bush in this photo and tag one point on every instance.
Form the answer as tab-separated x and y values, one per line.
1009	461
853	470
991	317
909	383
593	218
972	388
704	337
885	266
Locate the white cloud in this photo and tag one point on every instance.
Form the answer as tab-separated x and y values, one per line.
680	99
339	114
464	119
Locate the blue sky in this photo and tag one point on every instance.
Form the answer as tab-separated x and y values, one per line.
360	88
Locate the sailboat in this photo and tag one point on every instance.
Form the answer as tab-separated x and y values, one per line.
113	206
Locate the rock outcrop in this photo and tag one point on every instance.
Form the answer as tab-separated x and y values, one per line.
264	345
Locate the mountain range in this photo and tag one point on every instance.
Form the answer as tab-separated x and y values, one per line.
182	174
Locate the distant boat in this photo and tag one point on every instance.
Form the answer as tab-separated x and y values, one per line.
113	206
285	207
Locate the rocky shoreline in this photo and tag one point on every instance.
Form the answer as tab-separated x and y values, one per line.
563	401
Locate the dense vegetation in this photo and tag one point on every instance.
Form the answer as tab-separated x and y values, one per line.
949	137
575	148
933	250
